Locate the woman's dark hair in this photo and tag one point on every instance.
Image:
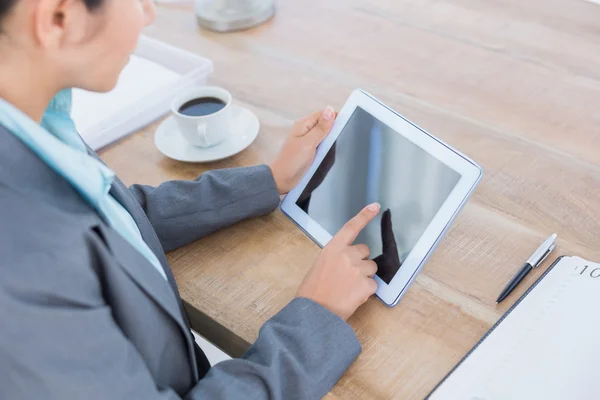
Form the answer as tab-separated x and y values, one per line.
7	5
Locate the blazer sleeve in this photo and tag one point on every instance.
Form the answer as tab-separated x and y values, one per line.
65	344
300	353
184	211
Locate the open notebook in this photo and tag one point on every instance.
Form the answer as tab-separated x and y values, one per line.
547	346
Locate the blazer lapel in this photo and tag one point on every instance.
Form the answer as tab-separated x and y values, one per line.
137	267
121	193
149	281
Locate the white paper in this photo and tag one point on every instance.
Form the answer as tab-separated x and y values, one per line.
546	348
138	80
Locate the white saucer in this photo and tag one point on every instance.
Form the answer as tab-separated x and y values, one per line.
170	142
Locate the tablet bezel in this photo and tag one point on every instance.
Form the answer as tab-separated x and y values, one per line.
469	171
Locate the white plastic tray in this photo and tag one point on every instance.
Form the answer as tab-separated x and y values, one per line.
154	76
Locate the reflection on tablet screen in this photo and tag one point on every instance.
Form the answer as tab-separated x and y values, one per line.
370	163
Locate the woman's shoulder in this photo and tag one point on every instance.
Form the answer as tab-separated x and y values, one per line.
47	254
34	226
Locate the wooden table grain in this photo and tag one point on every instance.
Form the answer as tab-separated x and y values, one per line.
513	84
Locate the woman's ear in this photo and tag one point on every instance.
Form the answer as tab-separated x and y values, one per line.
57	23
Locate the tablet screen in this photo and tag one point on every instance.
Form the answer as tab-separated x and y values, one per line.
368	163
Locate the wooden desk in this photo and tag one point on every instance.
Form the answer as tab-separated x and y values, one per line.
513	84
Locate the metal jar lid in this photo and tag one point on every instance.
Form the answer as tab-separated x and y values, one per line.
233	15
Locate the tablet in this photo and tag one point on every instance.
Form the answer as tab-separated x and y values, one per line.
373	154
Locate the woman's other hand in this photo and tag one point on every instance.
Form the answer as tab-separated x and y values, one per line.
341	279
300	148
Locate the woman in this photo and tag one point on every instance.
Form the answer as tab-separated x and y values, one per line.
88	304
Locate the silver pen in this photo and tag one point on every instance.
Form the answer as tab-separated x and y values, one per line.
535	260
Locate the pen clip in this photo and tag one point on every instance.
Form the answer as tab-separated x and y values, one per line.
546	254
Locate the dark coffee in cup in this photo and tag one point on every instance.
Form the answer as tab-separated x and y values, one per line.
202	106
204	115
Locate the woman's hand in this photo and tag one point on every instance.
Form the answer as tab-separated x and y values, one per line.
341	279
300	148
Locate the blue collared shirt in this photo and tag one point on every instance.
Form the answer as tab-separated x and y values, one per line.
57	142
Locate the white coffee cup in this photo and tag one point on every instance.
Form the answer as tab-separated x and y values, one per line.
205	130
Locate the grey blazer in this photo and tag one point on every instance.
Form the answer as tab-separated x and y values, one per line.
84	316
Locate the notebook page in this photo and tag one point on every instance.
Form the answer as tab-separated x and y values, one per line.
546	348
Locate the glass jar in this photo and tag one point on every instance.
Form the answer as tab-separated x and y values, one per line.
233	15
